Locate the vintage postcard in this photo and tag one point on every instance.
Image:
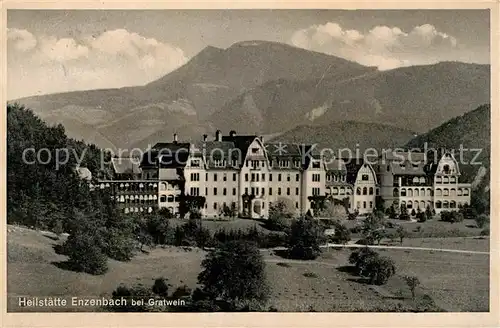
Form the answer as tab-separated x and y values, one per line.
250	164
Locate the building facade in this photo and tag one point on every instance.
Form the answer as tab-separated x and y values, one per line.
245	174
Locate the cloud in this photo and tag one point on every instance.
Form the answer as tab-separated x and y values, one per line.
383	46
113	59
21	40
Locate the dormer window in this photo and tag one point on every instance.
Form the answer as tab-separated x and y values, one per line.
316	165
255	150
283	163
195	163
365	177
219	163
446	169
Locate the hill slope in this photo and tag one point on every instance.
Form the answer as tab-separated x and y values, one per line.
470	131
265	87
348	135
416	98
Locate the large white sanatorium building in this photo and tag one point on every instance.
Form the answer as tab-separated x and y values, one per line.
248	174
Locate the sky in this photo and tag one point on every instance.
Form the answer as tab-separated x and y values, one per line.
52	51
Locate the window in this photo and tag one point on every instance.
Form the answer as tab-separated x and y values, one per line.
446	192
253	190
297	177
206	176
365	177
263	177
358	191
288	191
215	191
215	176
234	176
215	206
335	191
371	204
257	177
279	177
438	204
246	176
253	177
206	191
365	191
224	192
255	164
297	191
403	192
466	192
316	191
195	163
255	150
316	165
371	191
364	204
296	204
234	191
288	177
170	198
270	177
224	177
195	177
256	191
279	191
194	191
263	191
246	191
219	163
316	177
270	192
263	205
358	204
163	198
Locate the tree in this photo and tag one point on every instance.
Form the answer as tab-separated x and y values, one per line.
362	258
306	235
413	213
160	287
404	213
342	234
135	293
181	292
380	270
334	210
428	213
412	283
85	254
280	212
402	233
482	220
234	273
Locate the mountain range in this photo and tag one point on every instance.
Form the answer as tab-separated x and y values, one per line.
270	88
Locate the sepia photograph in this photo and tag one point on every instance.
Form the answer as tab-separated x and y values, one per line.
248	160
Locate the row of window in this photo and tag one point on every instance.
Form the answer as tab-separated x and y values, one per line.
438	204
340	191
216	205
358	204
195	191
169	199
335	178
445	179
366	191
429	192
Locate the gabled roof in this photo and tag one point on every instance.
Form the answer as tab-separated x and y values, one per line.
408	168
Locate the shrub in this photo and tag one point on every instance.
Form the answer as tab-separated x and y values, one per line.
283	264
279	214
342	234
452	216
310	275
273	239
181	292
85	254
160	287
482	220
413	213
361	259
136	293
305	238
234	273
485	232
380	269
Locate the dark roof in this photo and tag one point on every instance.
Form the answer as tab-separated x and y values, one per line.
408	168
414	156
240	142
336	166
352	167
166	155
283	150
125	165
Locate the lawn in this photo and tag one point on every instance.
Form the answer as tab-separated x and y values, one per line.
455	282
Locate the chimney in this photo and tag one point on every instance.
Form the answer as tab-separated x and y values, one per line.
218	135
261	139
175	137
232	133
205	137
